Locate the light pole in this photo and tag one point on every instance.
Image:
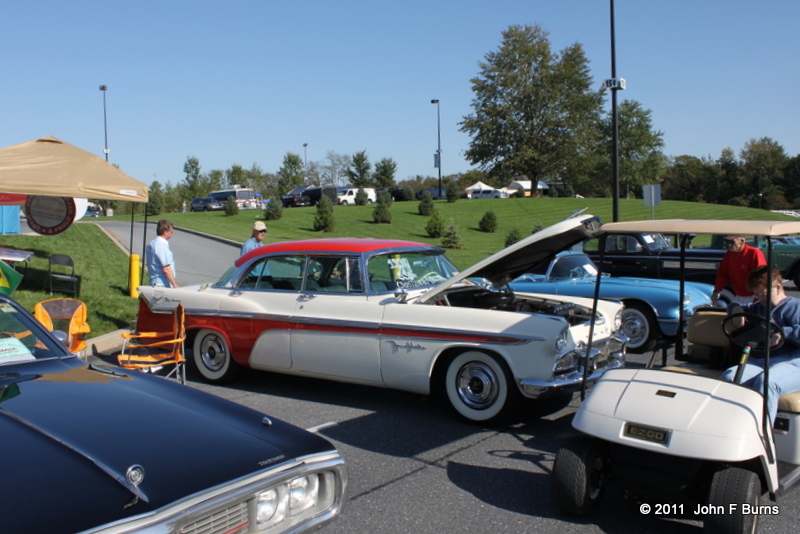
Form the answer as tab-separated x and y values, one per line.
104	88
305	163
437	159
614	84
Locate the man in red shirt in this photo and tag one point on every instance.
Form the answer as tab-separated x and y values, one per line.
737	263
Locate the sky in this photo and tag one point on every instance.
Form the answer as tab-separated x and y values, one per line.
246	81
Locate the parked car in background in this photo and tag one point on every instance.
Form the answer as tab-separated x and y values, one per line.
315	193
651	306
651	255
398	314
489	193
347	195
91	447
205	204
93	211
296	197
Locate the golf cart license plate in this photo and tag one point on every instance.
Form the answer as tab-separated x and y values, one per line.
646	433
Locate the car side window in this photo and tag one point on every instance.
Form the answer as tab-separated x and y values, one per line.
257	277
286	272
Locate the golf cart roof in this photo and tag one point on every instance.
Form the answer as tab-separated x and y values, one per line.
705	226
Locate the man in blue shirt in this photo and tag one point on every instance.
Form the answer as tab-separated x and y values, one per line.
159	259
259	231
784	362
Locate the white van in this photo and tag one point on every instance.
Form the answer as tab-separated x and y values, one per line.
489	193
347	195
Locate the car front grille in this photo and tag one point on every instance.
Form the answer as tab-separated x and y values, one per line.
230	520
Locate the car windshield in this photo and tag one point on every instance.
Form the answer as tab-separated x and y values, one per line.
409	270
656	241
22	339
572	266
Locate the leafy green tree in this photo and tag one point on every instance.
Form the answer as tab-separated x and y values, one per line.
763	162
453	192
488	222
382	214
640	157
290	175
426	205
231	207
791	180
155	198
435	226
513	236
323	221
361	197
535	112
451	238
360	172
194	181
236	175
274	209
384	173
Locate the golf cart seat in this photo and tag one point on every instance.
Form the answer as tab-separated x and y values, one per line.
709	351
708	348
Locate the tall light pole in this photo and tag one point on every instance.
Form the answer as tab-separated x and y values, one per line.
305	163
437	159
614	84
104	88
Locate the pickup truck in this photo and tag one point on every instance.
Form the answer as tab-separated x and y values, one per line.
651	255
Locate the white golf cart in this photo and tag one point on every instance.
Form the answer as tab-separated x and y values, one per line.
679	436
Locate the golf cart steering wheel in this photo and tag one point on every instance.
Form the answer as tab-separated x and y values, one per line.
752	333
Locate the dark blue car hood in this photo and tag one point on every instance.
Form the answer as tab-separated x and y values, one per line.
70	431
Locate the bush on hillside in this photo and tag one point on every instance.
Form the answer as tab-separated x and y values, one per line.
488	222
426	205
323	221
381	214
451	239
435	226
274	210
231	207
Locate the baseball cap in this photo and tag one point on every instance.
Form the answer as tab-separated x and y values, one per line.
259	226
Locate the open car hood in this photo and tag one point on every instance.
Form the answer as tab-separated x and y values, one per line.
511	262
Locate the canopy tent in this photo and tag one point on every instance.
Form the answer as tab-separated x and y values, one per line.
526	185
478	186
51	167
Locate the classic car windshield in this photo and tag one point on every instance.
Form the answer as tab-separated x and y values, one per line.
573	266
407	270
21	339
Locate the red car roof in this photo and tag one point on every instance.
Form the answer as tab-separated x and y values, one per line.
344	245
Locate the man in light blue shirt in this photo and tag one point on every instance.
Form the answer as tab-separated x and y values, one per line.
159	259
259	231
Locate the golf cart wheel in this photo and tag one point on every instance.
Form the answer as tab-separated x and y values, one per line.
733	485
579	476
640	325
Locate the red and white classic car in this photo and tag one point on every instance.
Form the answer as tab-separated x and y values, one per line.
398	314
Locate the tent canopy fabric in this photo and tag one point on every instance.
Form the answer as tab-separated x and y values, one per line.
479	186
51	167
527	184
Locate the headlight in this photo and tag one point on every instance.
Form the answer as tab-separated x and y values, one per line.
687	299
293	499
566	363
561	340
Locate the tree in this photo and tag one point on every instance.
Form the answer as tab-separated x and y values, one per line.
383	176
513	236
332	171
451	238
381	214
763	162
360	172
193	178
155	198
274	209
425	207
488	222
640	157
290	175
235	175
323	221
435	226
535	113
453	192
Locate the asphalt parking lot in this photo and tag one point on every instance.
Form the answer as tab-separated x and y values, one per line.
415	468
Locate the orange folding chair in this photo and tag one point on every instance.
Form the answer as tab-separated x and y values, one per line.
150	351
72	313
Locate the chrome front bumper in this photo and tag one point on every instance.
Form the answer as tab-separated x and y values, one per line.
609	354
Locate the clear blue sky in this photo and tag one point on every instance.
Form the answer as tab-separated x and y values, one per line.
246	81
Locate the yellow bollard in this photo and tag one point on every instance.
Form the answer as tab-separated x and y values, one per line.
134	275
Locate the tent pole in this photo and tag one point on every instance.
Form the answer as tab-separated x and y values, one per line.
144	244
130	248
